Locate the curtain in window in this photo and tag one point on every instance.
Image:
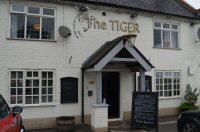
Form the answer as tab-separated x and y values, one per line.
174	36
17	26
166	39
157	38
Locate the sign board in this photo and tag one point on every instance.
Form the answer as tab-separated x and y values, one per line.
144	110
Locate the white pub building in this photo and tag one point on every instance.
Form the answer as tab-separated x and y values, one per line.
84	58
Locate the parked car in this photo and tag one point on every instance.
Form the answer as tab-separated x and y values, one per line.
10	121
189	121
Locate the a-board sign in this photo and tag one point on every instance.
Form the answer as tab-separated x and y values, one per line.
144	110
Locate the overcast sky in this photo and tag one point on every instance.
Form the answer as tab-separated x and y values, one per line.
194	3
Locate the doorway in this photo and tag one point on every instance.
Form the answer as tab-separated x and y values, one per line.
111	93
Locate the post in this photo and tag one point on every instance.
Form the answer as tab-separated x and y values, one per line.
142	80
99	87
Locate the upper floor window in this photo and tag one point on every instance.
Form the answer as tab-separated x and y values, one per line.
166	35
31	22
168	83
31	87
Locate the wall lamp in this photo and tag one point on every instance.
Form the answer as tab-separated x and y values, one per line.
131	40
83	8
133	15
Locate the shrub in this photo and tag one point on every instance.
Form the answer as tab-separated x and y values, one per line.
190	99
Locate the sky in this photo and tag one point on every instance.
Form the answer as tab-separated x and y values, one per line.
194	3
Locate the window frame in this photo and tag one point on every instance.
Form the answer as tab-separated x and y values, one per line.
170	29
40	86
26	14
172	88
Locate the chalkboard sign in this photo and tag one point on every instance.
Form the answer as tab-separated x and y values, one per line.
144	110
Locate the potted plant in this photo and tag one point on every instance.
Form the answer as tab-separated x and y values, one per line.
190	99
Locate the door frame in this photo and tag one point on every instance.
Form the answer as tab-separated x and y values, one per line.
120	90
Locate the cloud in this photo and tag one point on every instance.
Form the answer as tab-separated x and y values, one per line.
194	3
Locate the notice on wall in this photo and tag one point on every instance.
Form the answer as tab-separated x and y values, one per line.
144	110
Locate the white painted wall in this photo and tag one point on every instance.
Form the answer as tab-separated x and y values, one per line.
55	55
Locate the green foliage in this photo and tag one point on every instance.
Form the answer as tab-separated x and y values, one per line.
187	106
190	99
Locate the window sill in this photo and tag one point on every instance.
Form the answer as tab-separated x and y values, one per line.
175	97
166	48
23	39
34	105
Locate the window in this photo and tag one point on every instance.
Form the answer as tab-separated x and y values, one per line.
4	109
168	83
31	87
166	35
32	22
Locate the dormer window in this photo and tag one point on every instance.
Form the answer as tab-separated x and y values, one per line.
166	35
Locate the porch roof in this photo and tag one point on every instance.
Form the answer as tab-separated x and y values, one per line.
100	53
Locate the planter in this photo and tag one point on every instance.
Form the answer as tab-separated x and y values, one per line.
65	123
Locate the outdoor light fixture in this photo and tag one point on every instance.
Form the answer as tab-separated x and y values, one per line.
134	15
131	40
83	8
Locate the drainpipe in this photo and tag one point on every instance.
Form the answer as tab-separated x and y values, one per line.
82	111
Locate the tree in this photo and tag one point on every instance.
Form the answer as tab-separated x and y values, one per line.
190	99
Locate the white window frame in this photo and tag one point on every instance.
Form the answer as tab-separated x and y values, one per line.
172	88
26	14
165	29
40	86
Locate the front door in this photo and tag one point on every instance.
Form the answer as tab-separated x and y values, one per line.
111	93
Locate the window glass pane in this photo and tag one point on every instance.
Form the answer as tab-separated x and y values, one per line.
28	91
19	83
33	27
19	91
35	99
29	74
35	91
13	75
50	75
34	10
175	27
13	83
165	25
19	100
35	83
166	39
20	74
28	100
44	99
12	99
18	8
174	36
35	74
47	11
44	74
50	98
157	38
13	91
17	26
48	28
157	24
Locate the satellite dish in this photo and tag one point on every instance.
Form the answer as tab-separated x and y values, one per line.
198	33
64	31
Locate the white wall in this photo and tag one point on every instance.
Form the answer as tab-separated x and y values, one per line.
55	55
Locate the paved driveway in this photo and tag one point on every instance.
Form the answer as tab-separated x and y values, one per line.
166	124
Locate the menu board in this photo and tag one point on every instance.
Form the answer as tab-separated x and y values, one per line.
144	110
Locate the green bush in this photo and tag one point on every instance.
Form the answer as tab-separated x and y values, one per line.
190	99
187	106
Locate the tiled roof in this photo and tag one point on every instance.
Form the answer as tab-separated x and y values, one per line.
171	7
104	50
